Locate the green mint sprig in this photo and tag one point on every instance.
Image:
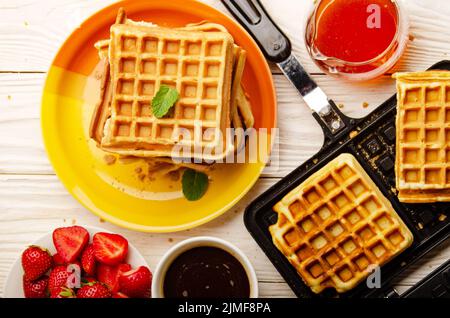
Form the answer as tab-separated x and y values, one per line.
194	184
164	100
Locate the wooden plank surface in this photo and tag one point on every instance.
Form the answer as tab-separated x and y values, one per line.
48	205
33	201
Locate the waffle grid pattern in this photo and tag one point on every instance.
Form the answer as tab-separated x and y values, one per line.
424	137
193	63
332	228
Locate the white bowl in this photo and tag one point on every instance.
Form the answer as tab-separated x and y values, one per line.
178	249
13	285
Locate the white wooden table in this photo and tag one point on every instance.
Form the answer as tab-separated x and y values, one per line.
33	200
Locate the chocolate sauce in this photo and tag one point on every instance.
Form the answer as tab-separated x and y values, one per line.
206	272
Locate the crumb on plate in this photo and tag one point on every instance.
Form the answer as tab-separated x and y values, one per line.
110	159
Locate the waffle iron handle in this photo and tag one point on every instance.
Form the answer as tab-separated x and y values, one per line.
254	18
277	49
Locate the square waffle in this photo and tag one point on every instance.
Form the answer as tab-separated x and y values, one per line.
162	165
240	109
157	165
336	224
242	116
422	165
197	64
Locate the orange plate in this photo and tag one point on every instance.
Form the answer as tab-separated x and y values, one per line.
114	192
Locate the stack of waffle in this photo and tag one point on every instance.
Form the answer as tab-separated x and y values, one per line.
200	61
422	164
337	225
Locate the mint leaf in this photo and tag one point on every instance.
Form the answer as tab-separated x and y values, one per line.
194	184
164	99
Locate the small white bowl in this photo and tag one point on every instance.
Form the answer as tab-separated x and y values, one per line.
13	286
201	241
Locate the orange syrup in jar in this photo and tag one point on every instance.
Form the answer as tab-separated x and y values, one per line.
357	39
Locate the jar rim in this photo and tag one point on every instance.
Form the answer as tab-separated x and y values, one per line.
402	27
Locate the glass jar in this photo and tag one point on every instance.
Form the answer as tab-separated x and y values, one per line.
357	39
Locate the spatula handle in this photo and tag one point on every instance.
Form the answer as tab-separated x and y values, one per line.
252	15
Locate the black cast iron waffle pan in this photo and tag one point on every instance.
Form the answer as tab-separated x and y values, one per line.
374	148
370	139
435	285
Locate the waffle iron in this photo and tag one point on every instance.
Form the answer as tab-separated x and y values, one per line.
371	140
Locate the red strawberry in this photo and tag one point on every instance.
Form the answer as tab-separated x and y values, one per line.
57	260
88	260
62	292
70	242
109	275
88	280
35	289
136	283
36	261
119	295
110	249
94	290
58	278
76	262
64	275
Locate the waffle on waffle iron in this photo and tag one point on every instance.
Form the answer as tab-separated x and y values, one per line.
129	117
422	166
336	224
